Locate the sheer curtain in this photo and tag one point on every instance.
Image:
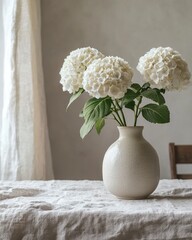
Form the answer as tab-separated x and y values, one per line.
25	149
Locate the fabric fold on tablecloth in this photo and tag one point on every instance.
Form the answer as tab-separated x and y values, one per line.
85	210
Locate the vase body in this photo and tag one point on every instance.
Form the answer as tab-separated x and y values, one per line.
131	165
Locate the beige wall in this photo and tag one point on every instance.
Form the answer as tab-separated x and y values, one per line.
126	28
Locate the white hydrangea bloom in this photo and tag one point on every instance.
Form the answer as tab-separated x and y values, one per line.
74	66
164	68
110	76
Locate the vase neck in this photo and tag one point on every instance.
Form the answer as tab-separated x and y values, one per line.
130	131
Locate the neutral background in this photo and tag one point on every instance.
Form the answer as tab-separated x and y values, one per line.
128	29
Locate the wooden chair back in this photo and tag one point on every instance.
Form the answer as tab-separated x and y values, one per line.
179	154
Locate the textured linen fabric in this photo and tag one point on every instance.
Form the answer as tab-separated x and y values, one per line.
25	149
85	210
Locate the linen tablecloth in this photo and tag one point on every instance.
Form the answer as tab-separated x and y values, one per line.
48	210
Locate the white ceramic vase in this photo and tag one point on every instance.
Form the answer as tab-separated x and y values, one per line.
131	165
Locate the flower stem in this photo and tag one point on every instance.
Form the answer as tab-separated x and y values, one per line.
121	111
137	112
117	117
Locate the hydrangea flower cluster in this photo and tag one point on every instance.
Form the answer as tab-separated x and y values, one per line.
74	66
108	80
164	68
110	76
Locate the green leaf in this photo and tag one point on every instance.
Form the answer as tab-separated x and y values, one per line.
146	85
75	96
156	113
99	125
86	128
95	109
154	94
162	90
136	86
129	96
130	105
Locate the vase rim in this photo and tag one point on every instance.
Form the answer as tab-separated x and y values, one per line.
130	126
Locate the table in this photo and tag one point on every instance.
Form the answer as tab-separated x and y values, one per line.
49	210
